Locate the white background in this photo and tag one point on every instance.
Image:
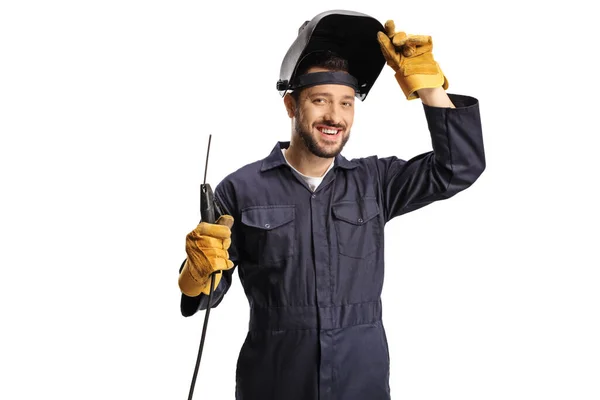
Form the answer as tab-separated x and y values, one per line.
105	112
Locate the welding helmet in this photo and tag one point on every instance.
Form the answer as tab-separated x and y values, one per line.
348	34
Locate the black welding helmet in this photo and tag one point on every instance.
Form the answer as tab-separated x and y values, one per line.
349	34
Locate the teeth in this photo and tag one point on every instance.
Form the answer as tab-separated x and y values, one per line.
329	131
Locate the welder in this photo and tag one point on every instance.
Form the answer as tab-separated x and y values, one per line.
304	226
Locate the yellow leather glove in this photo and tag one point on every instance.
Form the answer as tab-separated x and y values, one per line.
411	57
206	248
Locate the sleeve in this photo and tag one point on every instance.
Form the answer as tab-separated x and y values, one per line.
454	164
190	305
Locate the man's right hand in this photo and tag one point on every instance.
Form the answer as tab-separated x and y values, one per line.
206	248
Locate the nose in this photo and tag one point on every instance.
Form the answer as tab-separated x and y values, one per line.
332	113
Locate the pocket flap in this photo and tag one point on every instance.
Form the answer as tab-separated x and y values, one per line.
356	213
267	217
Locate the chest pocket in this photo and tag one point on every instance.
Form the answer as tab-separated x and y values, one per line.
357	227
269	233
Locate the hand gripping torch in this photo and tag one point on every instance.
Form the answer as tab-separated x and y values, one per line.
207	214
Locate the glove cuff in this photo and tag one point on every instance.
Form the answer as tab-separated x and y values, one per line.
191	283
206	288
411	83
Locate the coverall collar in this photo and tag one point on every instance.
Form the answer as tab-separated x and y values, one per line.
276	159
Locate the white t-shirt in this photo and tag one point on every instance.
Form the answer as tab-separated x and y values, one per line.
312	182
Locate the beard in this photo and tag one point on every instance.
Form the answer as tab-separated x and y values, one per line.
311	142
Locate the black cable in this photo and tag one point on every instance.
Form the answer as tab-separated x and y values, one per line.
212	285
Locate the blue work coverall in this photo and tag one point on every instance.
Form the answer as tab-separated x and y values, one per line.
312	263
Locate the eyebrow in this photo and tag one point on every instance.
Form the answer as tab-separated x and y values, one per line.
326	94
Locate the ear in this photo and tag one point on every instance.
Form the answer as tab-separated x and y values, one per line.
290	104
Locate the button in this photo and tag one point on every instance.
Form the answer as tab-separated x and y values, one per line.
313	196
267	226
360	220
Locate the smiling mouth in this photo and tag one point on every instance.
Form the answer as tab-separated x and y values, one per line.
330	131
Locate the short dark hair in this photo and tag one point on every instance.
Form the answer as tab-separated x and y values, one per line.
324	59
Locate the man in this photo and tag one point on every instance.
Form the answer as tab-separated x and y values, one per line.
308	233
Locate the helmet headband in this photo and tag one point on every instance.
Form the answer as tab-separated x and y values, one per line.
324	78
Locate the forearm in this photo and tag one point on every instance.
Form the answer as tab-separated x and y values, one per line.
457	140
435	97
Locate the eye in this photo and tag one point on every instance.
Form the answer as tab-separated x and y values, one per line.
319	100
347	104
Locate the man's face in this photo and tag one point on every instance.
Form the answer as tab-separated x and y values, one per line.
323	118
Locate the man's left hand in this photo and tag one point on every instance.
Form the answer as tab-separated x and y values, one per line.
411	57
